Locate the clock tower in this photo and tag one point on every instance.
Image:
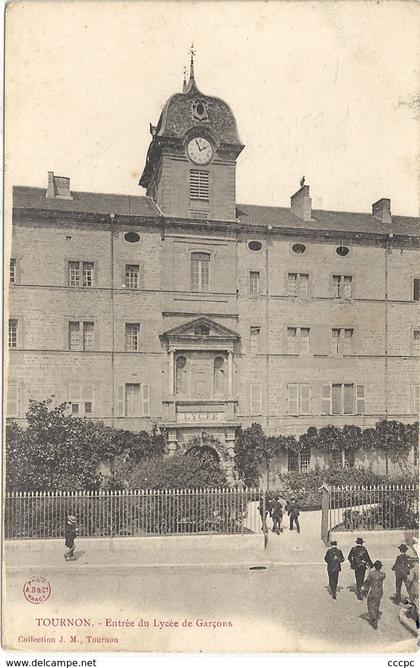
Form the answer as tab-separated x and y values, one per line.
190	169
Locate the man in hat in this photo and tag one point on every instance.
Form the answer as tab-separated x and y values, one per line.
276	515
373	587
333	558
359	560
401	569
70	533
293	511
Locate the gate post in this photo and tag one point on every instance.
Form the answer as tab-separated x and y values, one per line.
325	508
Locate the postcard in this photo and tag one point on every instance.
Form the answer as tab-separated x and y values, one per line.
212	354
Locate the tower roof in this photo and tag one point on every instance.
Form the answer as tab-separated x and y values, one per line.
192	112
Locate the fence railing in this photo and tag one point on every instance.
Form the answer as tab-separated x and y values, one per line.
133	512
375	507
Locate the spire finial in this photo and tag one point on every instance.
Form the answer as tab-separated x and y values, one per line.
192	52
184	85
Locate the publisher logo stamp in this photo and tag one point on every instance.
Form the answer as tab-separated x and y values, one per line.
37	589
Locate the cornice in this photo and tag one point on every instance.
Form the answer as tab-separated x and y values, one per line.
23	215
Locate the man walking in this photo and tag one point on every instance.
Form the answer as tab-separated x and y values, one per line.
276	515
401	569
293	511
373	586
70	533
333	558
359	560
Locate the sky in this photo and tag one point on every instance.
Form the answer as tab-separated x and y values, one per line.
324	89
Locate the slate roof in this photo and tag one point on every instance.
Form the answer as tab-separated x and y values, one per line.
341	221
251	214
128	205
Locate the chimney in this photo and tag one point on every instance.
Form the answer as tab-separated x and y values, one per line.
382	210
301	204
58	187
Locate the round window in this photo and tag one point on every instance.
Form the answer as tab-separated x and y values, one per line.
255	245
298	248
132	237
342	250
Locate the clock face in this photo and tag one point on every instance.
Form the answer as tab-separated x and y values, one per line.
200	150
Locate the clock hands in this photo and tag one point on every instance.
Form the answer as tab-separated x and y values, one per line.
199	147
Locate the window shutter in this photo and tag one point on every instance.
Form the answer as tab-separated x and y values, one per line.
305	399
326	399
120	401
347	287
292	400
12	399
145	399
416	397
349	403
336	399
360	399
256	400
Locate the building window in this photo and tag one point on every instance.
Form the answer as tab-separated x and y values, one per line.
12	275
343	399
255	399
299	461
416	289
298	340
132	276
342	287
342	341
305	459
81	335
80	274
200	270
219	375
298	285
416	337
199	185
254	333
298	399
137	401
336	458
254	282
13	333
81	399
292	461
132	332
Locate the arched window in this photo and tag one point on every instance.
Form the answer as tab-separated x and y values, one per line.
181	375
219	375
200	263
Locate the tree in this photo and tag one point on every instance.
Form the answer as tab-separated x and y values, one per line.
60	452
253	449
178	471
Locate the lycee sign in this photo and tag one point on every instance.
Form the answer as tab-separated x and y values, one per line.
200	417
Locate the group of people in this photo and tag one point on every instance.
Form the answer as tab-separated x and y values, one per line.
270	505
372	585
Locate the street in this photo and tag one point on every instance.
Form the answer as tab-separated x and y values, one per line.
224	608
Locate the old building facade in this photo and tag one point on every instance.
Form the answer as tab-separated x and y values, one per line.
186	310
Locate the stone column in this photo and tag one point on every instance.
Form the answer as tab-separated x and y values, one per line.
171	371
230	373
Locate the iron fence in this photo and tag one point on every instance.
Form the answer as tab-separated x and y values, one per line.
133	512
372	507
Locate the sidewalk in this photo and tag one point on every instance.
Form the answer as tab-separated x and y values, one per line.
205	551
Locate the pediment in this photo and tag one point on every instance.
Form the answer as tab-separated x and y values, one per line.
201	328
